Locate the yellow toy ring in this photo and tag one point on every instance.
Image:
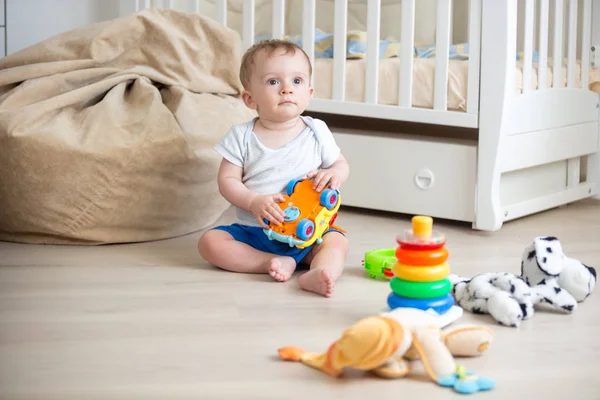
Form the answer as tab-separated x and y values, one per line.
421	274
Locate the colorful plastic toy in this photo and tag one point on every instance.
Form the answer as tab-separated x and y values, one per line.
308	214
379	263
421	270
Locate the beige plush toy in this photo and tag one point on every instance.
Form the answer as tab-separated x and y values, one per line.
383	344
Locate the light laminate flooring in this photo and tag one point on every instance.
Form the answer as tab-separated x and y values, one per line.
154	321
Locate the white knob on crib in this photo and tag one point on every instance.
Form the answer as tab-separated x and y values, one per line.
424	178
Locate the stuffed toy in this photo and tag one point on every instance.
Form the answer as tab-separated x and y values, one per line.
383	344
547	276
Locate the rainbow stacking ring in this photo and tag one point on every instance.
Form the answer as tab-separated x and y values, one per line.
421	290
439	304
416	257
412	245
421	237
421	274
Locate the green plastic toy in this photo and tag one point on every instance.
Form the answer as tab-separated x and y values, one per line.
379	263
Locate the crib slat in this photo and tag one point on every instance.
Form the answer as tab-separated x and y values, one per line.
195	6
372	78
585	43
339	49
474	55
528	45
308	31
278	19
442	48
543	51
248	23
572	51
127	7
147	3
222	12
407	40
558	35
169	4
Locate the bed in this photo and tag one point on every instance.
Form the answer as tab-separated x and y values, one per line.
526	139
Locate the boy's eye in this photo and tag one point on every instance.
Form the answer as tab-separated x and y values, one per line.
297	81
272	81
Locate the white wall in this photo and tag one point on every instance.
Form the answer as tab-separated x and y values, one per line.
31	21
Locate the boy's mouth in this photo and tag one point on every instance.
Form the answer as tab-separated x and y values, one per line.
286	102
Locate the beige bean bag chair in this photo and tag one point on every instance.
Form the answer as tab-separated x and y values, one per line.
106	132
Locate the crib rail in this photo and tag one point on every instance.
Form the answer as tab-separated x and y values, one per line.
563	36
562	68
370	105
544	35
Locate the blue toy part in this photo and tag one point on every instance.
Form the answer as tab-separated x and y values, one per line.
291	185
305	229
438	304
466	382
329	198
272	235
291	213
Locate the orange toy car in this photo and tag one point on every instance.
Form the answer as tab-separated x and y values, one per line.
308	214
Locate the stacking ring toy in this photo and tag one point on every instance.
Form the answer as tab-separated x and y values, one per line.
421	237
420	290
439	304
416	257
421	274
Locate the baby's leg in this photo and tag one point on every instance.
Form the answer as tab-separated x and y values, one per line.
326	264
221	249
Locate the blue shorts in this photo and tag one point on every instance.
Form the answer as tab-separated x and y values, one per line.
256	238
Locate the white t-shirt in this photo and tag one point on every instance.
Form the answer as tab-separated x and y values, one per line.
267	170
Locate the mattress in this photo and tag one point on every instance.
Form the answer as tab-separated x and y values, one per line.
423	81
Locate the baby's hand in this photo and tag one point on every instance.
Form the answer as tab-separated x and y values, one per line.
324	176
265	206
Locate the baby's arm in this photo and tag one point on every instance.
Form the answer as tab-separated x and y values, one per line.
336	174
262	206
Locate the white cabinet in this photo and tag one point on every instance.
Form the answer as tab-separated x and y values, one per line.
410	175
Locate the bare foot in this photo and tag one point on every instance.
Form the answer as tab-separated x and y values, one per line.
282	268
318	281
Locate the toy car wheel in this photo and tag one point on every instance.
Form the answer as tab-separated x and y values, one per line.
329	198
305	229
291	185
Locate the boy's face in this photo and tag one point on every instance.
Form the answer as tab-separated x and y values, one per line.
279	87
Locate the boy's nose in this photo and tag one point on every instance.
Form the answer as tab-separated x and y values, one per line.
286	90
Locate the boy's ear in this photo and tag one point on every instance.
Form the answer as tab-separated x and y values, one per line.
248	101
311	90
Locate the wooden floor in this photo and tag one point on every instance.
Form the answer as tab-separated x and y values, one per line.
154	321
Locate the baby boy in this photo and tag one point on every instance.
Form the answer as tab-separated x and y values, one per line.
259	159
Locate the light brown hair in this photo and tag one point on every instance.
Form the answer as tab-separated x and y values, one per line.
269	46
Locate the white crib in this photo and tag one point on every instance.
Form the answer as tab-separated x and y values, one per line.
536	143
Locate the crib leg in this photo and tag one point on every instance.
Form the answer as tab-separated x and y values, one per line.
593	171
498	47
488	210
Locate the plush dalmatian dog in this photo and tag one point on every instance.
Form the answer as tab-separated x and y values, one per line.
547	276
544	260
